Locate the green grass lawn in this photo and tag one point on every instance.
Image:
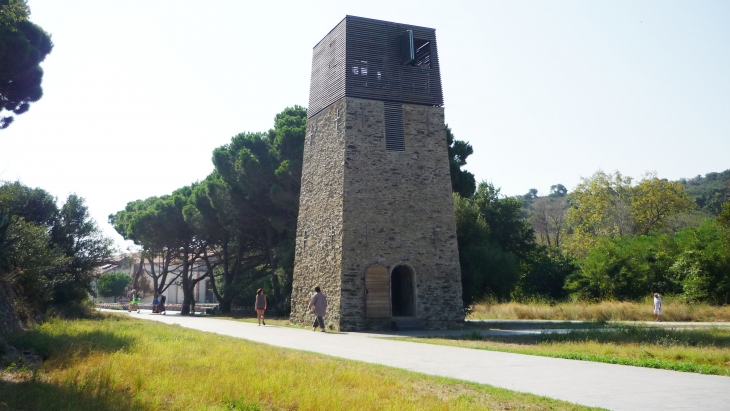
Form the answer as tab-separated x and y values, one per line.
118	363
702	350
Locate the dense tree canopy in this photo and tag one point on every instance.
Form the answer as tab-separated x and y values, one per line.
710	191
23	46
48	254
239	223
112	284
609	238
655	200
609	205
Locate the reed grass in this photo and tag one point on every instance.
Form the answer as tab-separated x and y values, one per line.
117	363
673	309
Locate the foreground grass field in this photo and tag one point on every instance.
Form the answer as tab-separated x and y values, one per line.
705	351
116	363
674	310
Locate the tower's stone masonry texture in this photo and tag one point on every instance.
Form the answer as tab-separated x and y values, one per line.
318	258
362	204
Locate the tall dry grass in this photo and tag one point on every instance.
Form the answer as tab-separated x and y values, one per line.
123	364
674	310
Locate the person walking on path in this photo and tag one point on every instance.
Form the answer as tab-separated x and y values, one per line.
260	306
319	306
155	303
161	306
658	307
133	302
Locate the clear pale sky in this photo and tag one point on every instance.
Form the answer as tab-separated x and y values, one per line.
137	94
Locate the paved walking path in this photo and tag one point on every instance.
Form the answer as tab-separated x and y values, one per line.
615	387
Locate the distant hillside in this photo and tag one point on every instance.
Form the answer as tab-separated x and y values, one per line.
709	191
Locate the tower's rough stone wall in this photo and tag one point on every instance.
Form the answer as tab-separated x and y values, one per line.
362	204
318	258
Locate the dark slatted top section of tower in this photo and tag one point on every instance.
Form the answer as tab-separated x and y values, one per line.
375	60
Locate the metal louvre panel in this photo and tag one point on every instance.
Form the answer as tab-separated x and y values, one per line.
374	40
376	45
394	136
407	54
327	83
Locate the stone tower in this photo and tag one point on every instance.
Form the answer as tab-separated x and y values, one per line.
376	227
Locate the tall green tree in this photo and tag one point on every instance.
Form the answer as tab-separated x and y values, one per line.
34	205
231	254
153	225
56	249
558	190
703	266
240	220
462	181
262	173
112	284
493	242
23	46
80	239
33	265
6	242
600	206
724	218
655	200
503	216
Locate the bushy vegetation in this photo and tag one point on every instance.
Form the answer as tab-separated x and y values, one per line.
115	363
48	254
710	191
609	239
112	284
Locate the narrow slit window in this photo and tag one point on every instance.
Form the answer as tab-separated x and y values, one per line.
394	135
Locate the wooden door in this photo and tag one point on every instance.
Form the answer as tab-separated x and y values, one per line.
377	292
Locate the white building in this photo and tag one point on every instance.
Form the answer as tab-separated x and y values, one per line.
130	264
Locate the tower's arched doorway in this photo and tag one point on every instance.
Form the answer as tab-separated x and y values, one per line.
402	292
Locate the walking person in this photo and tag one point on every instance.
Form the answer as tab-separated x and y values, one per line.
155	304
260	306
133	302
161	306
658	307
319	306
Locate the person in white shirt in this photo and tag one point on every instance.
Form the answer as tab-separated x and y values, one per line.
658	307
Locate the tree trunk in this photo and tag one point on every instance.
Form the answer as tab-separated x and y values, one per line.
274	276
138	274
187	292
224	300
